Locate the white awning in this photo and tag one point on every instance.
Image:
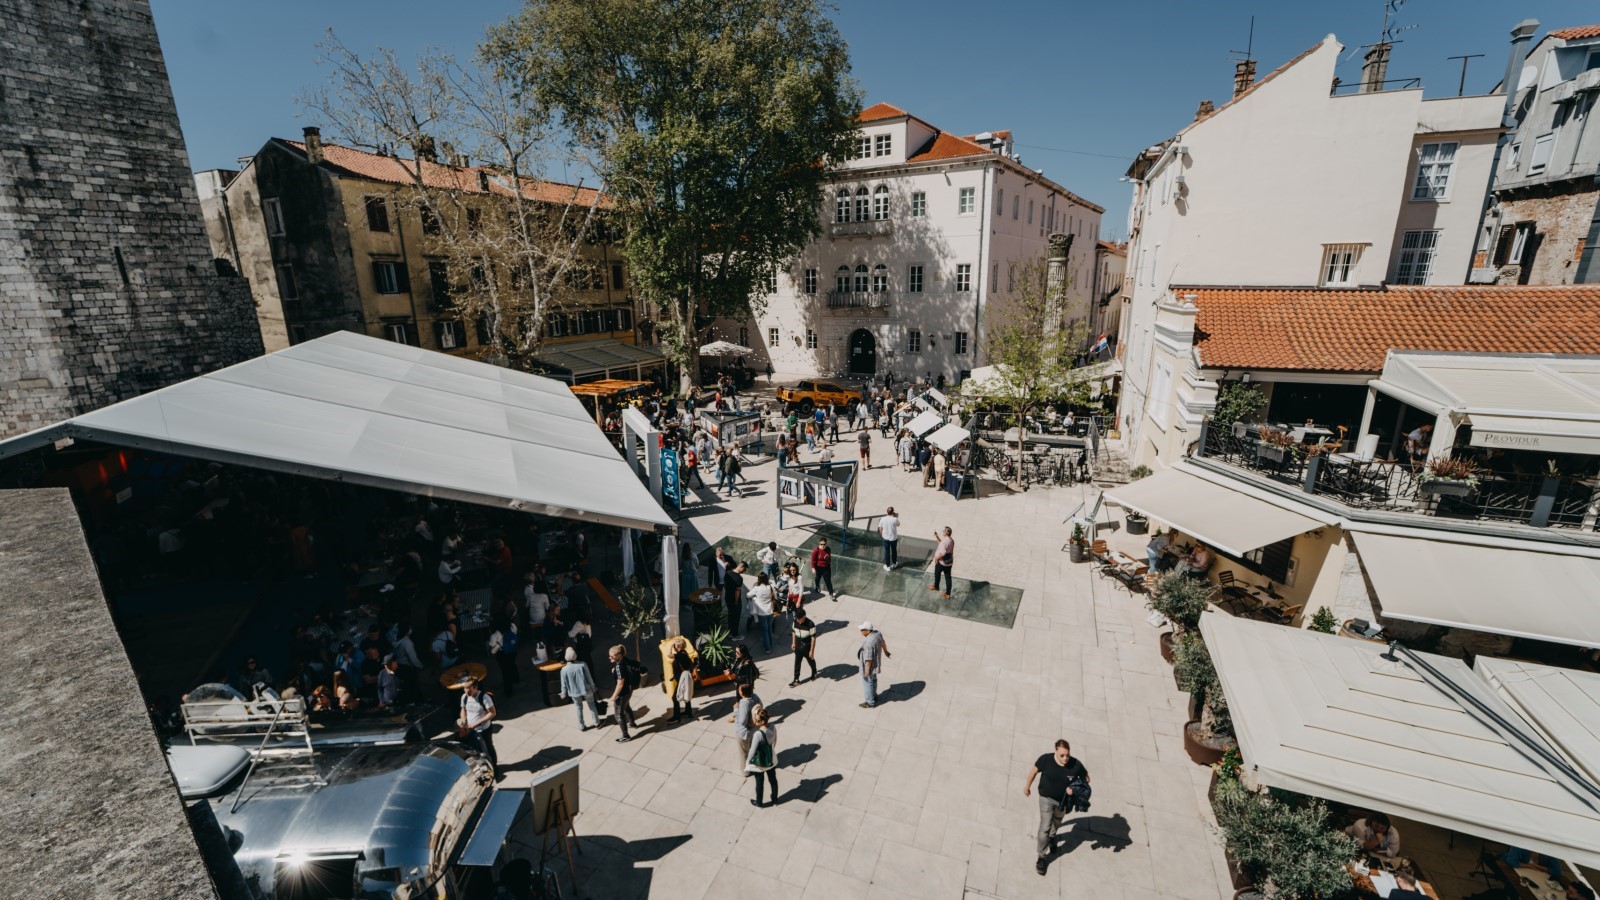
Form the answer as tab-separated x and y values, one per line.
354	408
1545	435
949	436
1331	717
925	423
1516	590
1563	705
1229	520
605	356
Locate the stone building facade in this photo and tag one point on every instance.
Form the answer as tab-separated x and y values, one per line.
107	286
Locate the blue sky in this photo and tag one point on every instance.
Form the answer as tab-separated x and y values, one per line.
1101	79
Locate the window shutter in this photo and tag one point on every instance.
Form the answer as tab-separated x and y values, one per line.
1275	560
402	278
377	276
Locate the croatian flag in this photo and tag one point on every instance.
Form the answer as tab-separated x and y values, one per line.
1103	344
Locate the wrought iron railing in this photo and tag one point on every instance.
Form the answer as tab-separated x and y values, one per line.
858	300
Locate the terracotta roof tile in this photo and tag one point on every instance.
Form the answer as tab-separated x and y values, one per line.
1109	247
1573	34
393	170
947	146
1325	330
881	111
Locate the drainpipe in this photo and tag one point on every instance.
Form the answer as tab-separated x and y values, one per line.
984	264
1520	36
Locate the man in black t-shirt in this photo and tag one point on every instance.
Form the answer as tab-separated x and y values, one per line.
1056	773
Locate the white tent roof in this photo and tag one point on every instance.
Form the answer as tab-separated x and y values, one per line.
1331	717
1230	520
1517	588
359	409
949	436
597	357
1563	705
925	422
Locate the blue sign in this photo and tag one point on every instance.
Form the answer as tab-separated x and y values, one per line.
671	489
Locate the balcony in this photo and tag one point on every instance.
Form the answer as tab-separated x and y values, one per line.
1392	486
858	301
869	228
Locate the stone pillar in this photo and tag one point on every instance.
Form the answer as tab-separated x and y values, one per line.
1060	247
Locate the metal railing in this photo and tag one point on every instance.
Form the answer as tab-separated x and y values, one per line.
1394	486
858	300
867	228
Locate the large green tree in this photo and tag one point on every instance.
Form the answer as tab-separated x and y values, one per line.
710	122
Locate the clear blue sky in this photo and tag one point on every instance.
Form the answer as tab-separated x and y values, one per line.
1092	77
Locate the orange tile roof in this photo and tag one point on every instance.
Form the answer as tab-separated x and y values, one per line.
396	170
881	111
948	146
1572	34
1109	247
1327	330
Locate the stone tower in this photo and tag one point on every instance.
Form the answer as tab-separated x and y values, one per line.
107	287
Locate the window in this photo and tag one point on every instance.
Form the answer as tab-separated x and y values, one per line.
744	336
624	317
961	343
914	279
964	277
811	281
861	204
772	337
390	277
994	275
861	279
880	202
474	221
999	201
841	205
1593	62
863	146
913	342
1339	264
1520	235
430	220
273	210
1016	207
377	214
439	282
880	278
287	289
811	339
882	144
1416	257
919	204
555	326
1512	153
616	276
1542	146
841	280
1030	212
447	334
1433	172
401	333
967	197
769	281
1011	276
297	334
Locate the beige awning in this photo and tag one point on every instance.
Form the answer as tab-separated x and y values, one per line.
1334	718
1229	520
1521	591
1542	434
1563	705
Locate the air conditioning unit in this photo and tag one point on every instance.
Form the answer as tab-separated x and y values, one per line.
1483	276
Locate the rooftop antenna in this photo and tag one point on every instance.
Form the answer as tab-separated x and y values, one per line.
1250	42
1462	88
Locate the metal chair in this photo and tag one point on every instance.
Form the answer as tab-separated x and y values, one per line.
1230	587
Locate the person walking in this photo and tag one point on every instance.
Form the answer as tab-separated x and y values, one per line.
939	465
503	646
769	372
681	685
627	675
743	669
477	715
730	470
691	468
944	558
870	657
783	451
826	458
803	641
1062	787
577	685
833	423
811	437
761	601
864	440
742	724
794	587
822	569
733	597
768	557
889	531
763	757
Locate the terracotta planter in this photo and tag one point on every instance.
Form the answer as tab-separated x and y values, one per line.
1204	751
1242	886
708	680
1167	640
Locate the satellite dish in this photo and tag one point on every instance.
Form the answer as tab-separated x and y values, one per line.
1530	75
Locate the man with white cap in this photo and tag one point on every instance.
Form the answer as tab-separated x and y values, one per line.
870	656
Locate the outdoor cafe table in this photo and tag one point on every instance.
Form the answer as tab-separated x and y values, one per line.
451	677
1383	881
475	609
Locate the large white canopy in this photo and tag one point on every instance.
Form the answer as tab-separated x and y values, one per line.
353	408
949	436
1230	520
1521	588
1563	705
1332	717
925	422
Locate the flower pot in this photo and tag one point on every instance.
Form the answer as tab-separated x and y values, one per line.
1445	487
1138	525
708	680
1167	640
1268	451
1078	551
1204	750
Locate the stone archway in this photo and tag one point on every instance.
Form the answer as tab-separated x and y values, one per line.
863	353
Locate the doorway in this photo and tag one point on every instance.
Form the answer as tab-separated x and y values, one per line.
863	353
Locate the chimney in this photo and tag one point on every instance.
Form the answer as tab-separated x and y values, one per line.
313	141
1520	36
424	148
1206	109
1244	75
1375	68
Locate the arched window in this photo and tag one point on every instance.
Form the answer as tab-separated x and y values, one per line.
880	202
880	278
861	204
841	280
861	278
841	205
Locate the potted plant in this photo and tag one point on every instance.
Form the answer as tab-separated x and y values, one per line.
1209	735
1322	620
1138	522
1276	445
1180	599
1078	544
1445	477
1238	402
1282	843
716	653
641	612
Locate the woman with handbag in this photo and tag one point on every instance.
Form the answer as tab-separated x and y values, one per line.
681	687
743	669
763	758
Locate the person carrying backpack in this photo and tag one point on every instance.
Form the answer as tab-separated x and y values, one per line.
629	676
477	717
503	644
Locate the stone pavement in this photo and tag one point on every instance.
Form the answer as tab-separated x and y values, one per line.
922	796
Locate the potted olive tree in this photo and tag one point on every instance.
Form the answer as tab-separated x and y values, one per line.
1210	734
1280	844
1138	522
1238	402
1180	599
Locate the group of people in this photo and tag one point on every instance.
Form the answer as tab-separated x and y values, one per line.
1164	556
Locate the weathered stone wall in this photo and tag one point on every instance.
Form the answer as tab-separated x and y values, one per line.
107	288
1562	212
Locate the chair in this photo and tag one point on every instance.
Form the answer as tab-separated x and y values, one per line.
1230	588
1285	614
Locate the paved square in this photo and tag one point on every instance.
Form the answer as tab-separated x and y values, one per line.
920	797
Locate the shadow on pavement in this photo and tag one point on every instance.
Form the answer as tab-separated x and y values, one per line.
1099	832
905	690
810	790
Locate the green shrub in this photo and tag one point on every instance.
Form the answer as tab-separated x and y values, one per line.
1138	472
1323	621
1238	402
1181	598
1192	666
1283	842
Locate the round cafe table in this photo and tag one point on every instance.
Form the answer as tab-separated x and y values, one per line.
451	677
706	597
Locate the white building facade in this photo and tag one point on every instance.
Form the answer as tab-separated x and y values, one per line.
925	234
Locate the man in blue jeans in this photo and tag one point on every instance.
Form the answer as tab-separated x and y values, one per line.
870	655
889	530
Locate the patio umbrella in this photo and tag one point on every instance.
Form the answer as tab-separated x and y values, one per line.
724	348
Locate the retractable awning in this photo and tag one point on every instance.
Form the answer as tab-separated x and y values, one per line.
1563	705
949	436
1331	717
1229	520
353	408
606	356
1519	590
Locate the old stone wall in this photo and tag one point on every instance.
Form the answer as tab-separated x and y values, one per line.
1561	212
107	287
